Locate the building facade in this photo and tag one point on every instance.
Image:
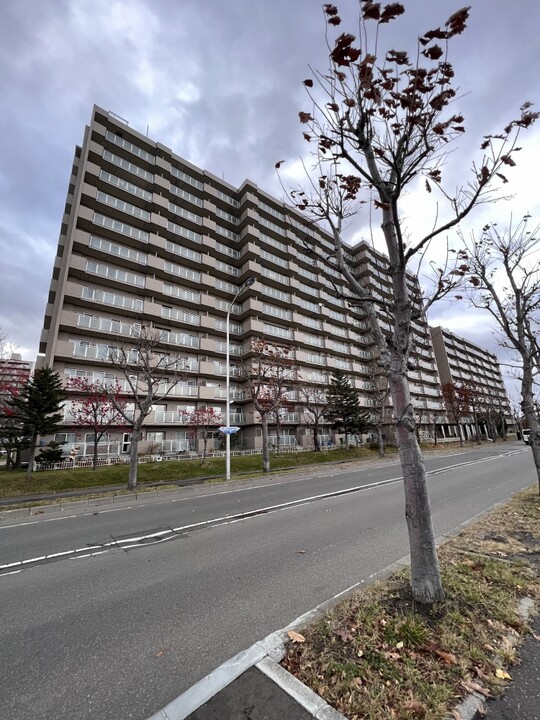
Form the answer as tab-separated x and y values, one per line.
460	362
148	239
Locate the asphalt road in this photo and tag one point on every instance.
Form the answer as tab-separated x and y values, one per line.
121	633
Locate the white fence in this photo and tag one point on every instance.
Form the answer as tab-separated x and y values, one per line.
87	462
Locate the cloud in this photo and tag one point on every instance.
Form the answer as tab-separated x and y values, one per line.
221	84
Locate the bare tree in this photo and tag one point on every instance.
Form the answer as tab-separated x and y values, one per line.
505	281
313	403
203	420
268	376
457	405
150	375
384	122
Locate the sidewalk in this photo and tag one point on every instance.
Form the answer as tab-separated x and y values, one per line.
260	689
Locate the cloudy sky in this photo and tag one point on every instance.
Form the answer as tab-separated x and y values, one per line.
220	82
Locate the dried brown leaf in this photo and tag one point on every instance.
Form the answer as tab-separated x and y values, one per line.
295	637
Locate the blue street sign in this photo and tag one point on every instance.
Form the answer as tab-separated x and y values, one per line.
229	430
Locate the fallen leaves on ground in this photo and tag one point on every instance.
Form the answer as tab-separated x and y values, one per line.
296	637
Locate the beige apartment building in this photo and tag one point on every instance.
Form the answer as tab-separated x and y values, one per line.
462	361
149	239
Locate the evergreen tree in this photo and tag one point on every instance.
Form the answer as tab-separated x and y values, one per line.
344	410
37	409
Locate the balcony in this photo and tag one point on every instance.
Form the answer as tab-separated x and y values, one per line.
233	394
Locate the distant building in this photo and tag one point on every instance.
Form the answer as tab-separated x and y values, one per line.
14	371
149	239
462	361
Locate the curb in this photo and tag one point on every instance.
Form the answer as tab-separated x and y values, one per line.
267	653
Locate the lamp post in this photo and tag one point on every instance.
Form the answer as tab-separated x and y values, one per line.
245	284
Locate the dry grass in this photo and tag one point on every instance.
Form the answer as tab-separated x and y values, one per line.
376	656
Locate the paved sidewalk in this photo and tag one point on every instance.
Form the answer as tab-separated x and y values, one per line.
522	699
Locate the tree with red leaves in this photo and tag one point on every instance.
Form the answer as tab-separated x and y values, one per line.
386	120
268	374
202	421
99	407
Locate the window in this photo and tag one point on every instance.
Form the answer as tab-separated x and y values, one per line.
181	271
120	227
278	331
96	322
187	214
183	251
123	206
311	291
227	216
181	293
125	165
309	305
125	185
314	323
187	178
277	294
274	258
224	267
227	233
179	230
130	147
114	273
272	211
271	226
227	287
307	274
271	241
316	358
227	198
115	249
277	312
234	328
341	347
185	195
181	315
313	340
225	304
272	275
227	250
111	298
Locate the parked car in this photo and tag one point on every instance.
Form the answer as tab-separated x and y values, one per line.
527	436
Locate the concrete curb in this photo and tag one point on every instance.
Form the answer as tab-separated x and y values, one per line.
267	653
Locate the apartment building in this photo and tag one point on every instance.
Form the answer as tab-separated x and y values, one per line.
14	371
462	361
149	239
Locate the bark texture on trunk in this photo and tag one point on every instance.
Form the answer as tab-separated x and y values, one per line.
133	450
380	441
316	444
529	410
32	457
425	573
266	453
96	442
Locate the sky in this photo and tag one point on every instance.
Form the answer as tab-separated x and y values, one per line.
220	82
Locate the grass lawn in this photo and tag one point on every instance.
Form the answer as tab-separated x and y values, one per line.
377	656
15	483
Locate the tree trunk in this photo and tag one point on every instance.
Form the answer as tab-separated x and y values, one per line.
425	573
132	479
434	433
316	444
205	446
380	441
265	449
460	434
94	461
31	459
476	427
527	405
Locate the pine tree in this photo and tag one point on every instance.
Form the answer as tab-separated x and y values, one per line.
344	410
37	408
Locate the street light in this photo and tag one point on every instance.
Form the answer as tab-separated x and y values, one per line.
245	284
